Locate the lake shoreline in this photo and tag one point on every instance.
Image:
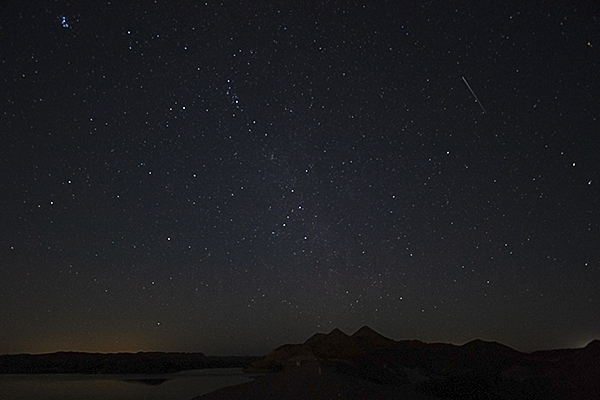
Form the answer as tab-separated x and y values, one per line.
116	363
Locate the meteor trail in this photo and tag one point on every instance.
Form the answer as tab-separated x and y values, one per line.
474	95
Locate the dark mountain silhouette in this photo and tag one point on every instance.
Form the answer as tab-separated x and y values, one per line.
580	372
481	357
336	345
315	337
369	339
390	369
594	345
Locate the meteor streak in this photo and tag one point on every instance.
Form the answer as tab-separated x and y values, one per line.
474	95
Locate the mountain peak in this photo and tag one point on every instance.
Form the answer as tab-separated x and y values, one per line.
478	343
336	344
475	342
484	348
594	344
365	331
337	332
370	339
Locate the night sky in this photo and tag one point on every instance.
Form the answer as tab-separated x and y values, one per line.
230	176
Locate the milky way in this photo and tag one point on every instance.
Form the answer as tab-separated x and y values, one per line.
228	177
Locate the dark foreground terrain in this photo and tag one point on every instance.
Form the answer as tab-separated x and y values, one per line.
367	365
297	385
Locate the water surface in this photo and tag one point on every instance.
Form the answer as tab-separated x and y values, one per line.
181	386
